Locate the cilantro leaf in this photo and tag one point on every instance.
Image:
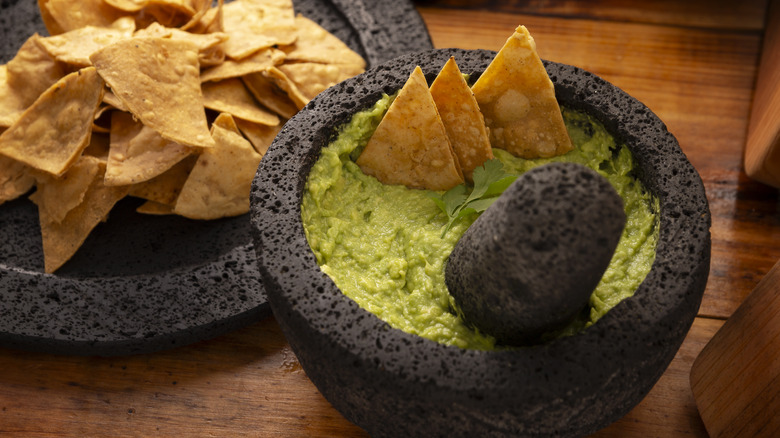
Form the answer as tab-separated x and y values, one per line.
490	181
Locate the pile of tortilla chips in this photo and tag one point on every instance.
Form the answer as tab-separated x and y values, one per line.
433	138
171	101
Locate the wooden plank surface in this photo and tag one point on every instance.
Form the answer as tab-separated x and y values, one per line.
693	63
736	378
762	151
245	383
710	14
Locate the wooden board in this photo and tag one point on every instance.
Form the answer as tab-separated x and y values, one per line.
246	383
762	152
736	378
711	14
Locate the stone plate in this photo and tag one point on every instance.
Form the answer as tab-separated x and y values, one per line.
142	283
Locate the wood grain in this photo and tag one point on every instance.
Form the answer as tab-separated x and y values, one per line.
717	14
246	383
693	63
762	152
736	378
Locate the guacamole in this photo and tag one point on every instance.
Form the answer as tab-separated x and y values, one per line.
383	247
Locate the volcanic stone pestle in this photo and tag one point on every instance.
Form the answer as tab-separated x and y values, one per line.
529	264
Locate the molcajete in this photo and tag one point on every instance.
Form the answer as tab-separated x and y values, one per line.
392	383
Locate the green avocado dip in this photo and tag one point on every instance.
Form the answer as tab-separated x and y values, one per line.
383	247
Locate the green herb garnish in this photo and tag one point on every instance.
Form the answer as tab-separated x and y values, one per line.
490	181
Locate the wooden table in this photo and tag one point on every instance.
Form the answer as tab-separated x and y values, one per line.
693	63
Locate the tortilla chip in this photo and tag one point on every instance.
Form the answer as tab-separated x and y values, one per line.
12	104
56	196
256	63
209	45
69	15
15	179
165	188
410	145
219	184
98	146
315	44
75	46
172	13
184	6
102	119
210	22
270	95
48	20
257	24
53	131
461	116
138	153
62	239
110	99
32	71
284	83
231	96
201	7
158	80
261	136
518	101
154	208
312	78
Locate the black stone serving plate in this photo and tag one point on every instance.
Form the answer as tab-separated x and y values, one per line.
143	283
395	384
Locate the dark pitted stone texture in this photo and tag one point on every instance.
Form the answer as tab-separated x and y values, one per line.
144	283
529	264
395	384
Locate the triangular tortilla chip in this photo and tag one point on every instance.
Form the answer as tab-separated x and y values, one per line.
158	80
261	136
75	46
219	184
62	239
460	113
32	71
154	208
88	13
15	179
12	105
270	95
98	146
284	83
67	106
210	22
165	188
312	78
202	7
138	153
110	98
257	24
48	20
184	6
410	145
209	45
56	196
517	98
315	44
256	63
231	96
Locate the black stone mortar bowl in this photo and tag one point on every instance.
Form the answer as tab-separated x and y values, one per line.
396	384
